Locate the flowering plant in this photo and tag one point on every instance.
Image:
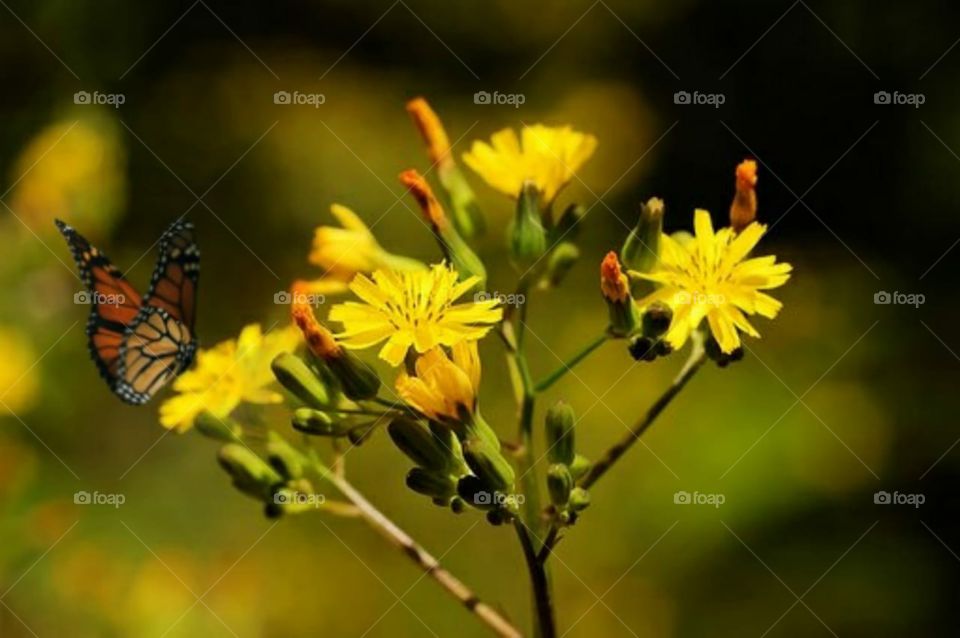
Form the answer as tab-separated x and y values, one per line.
662	292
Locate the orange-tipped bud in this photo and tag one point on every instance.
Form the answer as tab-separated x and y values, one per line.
431	128
743	210
613	283
427	201
319	339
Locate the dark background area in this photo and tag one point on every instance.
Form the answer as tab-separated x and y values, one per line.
877	187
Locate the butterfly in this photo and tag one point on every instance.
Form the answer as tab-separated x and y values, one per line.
140	343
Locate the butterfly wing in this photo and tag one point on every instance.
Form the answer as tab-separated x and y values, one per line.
173	287
155	348
114	303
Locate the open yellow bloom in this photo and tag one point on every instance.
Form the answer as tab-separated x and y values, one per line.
444	386
228	374
709	276
344	252
412	309
549	156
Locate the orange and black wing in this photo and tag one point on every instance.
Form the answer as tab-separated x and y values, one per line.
173	287
155	348
114	304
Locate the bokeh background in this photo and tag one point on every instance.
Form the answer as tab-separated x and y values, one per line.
840	399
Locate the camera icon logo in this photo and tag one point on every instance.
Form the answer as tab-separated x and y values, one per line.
483	498
882	498
81	498
282	298
281	97
681	97
81	97
482	97
881	97
882	298
681	498
82	298
282	498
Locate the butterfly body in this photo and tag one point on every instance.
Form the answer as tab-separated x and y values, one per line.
140	343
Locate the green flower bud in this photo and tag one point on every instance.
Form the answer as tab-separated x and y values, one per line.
467	216
559	484
285	460
489	465
528	239
641	250
357	380
211	426
579	467
318	423
656	319
423	448
560	433
251	474
457	505
430	483
296	376
561	260
474	492
579	499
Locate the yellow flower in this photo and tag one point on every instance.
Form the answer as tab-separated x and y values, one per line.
18	377
344	252
445	386
708	276
412	309
549	156
230	373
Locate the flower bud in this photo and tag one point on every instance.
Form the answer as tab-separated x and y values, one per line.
475	492
743	209
220	429
251	474
417	441
560	433
315	422
467	216
641	250
616	292
579	499
488	465
656	319
561	260
559	484
297	377
528	239
579	466
431	483
357	380
451	243
285	460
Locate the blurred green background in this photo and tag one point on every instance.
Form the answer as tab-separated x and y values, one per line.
840	399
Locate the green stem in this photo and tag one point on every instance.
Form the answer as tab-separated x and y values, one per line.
540	581
567	366
697	357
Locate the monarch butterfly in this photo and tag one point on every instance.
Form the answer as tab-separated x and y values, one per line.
140	343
